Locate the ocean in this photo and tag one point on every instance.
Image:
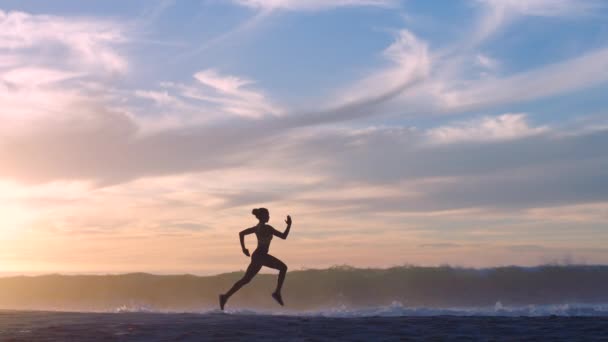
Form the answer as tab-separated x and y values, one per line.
247	326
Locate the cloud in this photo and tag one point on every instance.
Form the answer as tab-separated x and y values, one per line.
311	5
89	141
46	61
409	60
409	64
439	245
505	126
8	61
160	97
222	83
499	13
459	78
33	77
266	8
487	62
546	168
441	168
180	157
543	8
553	79
84	42
454	79
232	94
449	87
577	213
525	248
509	170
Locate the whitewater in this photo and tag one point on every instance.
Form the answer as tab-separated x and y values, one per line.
400	310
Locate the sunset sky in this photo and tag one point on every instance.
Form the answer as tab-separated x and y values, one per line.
138	135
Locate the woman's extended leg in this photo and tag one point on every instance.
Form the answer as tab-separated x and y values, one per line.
272	262
252	270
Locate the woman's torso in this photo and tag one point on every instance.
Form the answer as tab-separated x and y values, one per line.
264	235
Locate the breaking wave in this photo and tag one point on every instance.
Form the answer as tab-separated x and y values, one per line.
399	310
335	292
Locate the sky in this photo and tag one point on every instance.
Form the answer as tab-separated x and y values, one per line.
137	136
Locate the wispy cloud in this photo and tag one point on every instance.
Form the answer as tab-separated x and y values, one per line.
408	58
311	5
487	62
159	97
222	83
35	76
576	73
453	83
499	13
234	94
86	42
505	126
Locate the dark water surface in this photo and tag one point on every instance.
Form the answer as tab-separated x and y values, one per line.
58	326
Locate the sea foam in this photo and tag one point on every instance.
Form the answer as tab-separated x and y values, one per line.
397	309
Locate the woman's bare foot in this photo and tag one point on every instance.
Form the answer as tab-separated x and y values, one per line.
277	297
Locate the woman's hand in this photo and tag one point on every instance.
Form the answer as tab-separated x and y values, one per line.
288	221
246	251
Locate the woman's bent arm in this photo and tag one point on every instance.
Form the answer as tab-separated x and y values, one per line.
286	232
242	238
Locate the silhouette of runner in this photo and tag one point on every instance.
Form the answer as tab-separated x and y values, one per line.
260	257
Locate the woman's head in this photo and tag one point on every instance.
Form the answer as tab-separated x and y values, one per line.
262	214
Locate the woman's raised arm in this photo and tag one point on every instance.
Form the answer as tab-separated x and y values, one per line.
286	232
